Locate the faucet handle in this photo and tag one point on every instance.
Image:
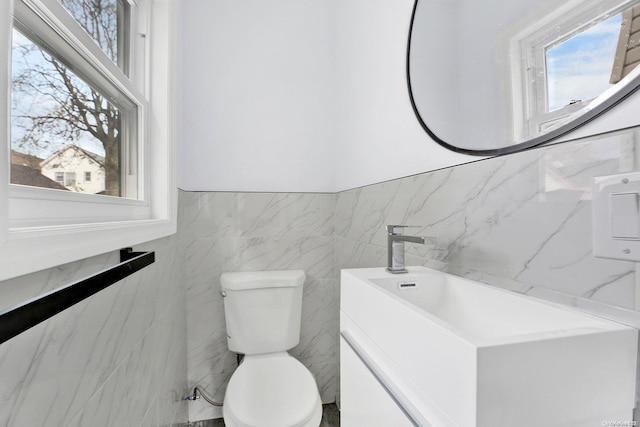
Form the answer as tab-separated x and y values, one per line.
399	229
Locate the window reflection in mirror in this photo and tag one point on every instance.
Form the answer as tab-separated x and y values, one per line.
513	75
578	54
579	67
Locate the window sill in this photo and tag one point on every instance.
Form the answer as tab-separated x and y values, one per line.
31	249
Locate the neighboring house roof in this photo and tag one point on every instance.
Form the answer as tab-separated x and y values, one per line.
628	50
24	159
25	175
55	156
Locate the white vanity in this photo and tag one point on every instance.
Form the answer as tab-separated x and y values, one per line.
432	349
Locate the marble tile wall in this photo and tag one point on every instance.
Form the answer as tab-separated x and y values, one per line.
117	358
521	221
257	231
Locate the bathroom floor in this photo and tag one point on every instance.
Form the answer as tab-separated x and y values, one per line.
330	418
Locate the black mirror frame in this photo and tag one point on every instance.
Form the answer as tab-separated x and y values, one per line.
623	93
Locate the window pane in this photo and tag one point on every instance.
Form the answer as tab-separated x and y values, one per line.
70	179
107	21
61	125
579	68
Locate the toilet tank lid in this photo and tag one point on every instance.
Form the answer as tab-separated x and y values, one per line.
262	279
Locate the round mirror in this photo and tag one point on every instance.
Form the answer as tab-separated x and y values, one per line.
494	77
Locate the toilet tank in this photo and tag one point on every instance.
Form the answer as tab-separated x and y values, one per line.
262	310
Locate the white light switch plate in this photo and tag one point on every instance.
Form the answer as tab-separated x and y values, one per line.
616	221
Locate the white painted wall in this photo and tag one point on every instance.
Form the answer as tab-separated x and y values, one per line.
257	97
307	96
378	137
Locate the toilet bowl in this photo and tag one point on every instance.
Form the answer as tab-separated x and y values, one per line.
273	390
270	388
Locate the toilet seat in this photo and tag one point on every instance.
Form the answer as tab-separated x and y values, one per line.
272	390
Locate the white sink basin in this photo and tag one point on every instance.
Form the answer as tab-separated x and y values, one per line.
475	355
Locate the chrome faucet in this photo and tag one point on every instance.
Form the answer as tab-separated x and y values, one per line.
395	246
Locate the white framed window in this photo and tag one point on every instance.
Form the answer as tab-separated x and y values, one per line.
88	96
69	179
561	61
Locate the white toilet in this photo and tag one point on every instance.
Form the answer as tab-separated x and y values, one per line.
270	388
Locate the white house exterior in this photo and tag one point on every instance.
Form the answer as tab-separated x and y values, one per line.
77	169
